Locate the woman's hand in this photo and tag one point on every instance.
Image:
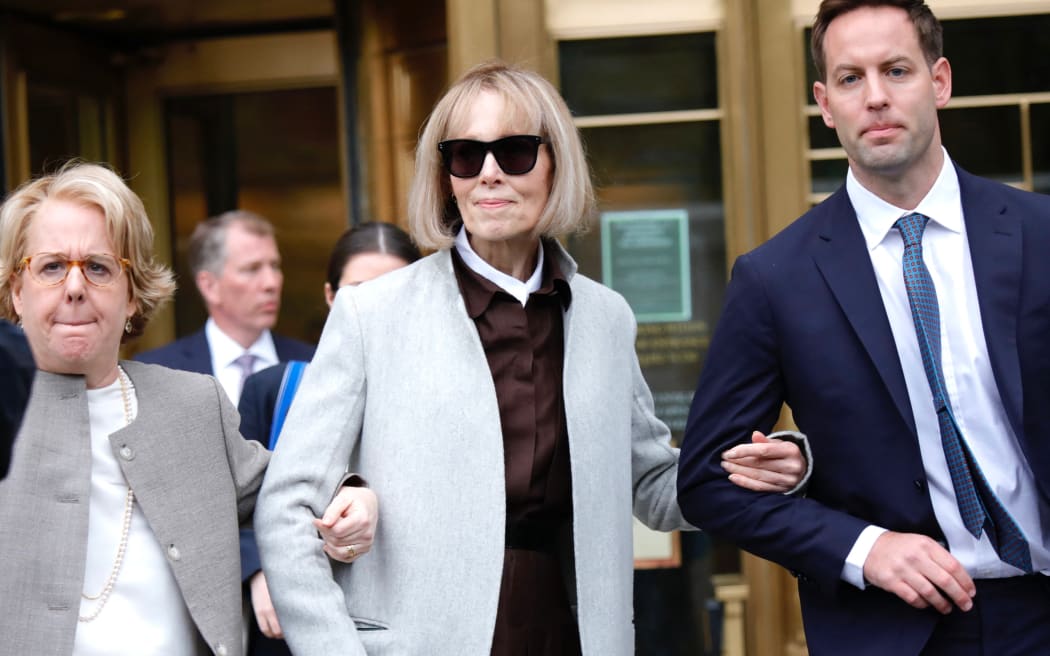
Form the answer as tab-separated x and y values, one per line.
349	523
765	465
262	606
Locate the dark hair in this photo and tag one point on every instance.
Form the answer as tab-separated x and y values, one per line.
928	28
369	237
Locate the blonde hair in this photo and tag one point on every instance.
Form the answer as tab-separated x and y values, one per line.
127	225
536	107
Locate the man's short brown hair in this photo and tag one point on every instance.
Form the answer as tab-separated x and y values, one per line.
928	28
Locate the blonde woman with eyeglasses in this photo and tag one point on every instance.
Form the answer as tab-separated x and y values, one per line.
128	481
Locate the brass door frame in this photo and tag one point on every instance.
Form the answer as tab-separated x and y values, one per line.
228	65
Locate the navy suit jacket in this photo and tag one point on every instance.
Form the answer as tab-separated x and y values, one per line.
191	353
804	324
16	379
258	400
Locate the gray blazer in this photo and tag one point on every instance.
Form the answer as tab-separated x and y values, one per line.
193	475
400	391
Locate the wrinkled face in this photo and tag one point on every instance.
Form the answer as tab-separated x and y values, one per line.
74	327
881	97
500	209
246	298
362	268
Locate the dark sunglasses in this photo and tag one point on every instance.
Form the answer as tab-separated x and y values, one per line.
516	155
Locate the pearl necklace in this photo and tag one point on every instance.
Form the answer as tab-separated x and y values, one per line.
129	506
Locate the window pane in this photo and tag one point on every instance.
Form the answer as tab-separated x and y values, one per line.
827	174
666	167
639	74
998	55
811	71
820	135
985	141
1041	147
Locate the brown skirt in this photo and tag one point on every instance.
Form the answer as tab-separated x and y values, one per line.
534	617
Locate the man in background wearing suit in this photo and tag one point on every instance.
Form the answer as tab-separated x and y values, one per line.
906	322
237	269
16	379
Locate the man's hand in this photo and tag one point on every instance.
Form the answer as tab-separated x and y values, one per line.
920	571
265	615
765	465
349	523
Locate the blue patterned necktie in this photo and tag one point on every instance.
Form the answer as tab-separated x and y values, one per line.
978	505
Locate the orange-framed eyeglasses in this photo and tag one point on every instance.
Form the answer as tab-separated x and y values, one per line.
51	269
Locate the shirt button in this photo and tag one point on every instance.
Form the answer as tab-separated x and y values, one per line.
221	650
173	552
127	453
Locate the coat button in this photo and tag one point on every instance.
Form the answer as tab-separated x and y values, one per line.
918	485
127	453
173	552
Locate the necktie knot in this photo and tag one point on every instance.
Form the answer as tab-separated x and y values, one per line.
245	363
911	228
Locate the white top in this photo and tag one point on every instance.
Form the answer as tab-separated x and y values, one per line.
516	288
224	350
145	613
968	378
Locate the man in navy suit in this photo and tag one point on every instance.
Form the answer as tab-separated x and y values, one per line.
237	269
820	318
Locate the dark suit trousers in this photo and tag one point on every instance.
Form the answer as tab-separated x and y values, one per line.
1010	617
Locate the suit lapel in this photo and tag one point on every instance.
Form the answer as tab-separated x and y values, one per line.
197	354
994	236
842	257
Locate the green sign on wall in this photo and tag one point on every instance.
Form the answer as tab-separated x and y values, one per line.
645	257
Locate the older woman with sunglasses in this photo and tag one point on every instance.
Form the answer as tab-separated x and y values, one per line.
492	397
128	481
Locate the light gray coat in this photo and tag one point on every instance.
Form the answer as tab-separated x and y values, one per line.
193	475
400	391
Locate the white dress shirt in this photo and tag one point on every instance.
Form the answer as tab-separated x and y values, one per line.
516	288
968	377
145	613
224	350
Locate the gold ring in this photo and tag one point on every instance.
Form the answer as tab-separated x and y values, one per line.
351	551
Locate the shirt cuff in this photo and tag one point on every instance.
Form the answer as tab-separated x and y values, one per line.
853	568
802	442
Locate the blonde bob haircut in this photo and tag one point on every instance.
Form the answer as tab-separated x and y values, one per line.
534	107
91	185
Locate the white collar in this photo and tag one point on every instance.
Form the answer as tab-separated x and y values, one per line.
516	288
877	217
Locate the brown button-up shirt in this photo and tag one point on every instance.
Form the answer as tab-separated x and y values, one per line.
525	348
525	351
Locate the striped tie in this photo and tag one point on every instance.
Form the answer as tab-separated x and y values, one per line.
246	363
978	505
